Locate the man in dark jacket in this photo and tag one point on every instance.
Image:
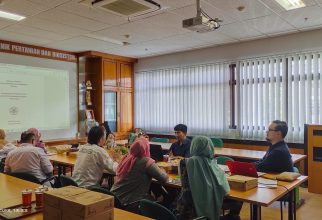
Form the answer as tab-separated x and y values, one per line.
277	158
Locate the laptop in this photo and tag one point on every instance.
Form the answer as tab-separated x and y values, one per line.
156	152
242	168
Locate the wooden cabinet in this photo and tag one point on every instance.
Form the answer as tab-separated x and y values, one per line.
112	78
126	111
117	74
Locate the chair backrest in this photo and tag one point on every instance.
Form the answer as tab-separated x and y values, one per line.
222	159
117	201
67	181
161	140
217	142
154	210
2	164
25	176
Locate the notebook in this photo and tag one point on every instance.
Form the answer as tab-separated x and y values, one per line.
242	168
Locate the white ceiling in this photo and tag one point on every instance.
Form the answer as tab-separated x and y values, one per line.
69	25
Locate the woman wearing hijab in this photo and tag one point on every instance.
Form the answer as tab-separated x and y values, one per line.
37	134
135	172
204	184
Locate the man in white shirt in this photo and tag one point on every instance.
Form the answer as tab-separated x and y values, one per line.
28	159
92	159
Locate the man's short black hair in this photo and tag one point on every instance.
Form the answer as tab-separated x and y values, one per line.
95	134
281	126
26	137
181	127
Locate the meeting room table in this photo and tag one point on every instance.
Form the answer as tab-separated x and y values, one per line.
11	188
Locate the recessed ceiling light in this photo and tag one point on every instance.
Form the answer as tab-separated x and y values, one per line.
11	16
291	4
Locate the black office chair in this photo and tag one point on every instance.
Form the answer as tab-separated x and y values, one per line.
117	202
30	177
25	176
67	181
156	211
2	164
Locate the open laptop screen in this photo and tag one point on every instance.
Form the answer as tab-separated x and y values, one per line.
156	152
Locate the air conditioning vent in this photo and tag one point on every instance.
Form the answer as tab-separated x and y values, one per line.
126	8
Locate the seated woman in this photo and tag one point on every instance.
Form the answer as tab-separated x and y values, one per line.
204	184
38	142
134	174
92	159
5	146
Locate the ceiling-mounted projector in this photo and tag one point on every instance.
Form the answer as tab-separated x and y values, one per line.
202	22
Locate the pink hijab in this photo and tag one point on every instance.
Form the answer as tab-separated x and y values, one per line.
37	135
140	148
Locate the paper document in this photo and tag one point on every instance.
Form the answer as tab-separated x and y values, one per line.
268	183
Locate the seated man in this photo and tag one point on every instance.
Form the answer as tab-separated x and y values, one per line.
182	146
277	158
29	159
92	159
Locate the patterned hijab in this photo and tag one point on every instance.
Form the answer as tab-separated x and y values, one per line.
140	148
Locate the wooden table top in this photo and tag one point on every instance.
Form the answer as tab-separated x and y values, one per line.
238	153
63	159
11	188
119	214
258	195
250	154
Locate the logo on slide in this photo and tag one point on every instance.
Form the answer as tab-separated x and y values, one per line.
13	110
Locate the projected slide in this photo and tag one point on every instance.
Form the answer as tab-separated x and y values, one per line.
33	97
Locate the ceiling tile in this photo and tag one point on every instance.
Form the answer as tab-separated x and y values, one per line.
176	4
253	9
239	30
35	32
24	8
270	24
305	17
6	22
72	20
49	3
53	26
20	38
82	43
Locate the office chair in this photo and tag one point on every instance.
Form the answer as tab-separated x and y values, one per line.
222	159
66	181
217	142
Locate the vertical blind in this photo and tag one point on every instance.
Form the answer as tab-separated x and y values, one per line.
279	88
197	96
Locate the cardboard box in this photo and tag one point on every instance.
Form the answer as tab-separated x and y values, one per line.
107	215
242	183
77	203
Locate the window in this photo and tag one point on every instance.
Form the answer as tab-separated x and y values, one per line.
197	96
284	88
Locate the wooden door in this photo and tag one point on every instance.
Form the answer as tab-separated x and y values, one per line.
126	111
110	77
126	75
